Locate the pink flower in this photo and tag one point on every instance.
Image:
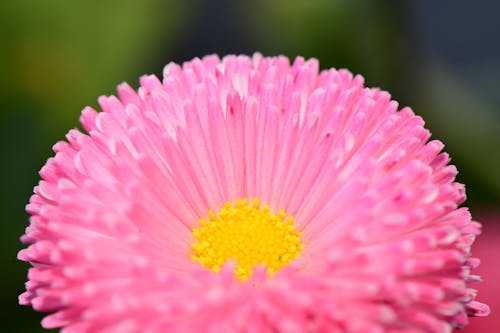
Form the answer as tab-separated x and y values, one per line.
250	195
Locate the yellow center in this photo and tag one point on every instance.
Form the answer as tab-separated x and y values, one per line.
249	234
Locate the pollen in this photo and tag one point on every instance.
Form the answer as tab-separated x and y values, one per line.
248	233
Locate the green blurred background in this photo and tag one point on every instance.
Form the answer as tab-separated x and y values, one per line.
441	58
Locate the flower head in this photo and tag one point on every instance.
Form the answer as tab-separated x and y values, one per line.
250	195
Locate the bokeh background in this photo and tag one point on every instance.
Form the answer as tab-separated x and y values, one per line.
442	58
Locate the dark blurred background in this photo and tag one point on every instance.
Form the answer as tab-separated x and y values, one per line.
442	58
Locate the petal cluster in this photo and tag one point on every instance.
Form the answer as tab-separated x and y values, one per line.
387	246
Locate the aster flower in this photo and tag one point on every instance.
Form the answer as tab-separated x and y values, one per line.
250	195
